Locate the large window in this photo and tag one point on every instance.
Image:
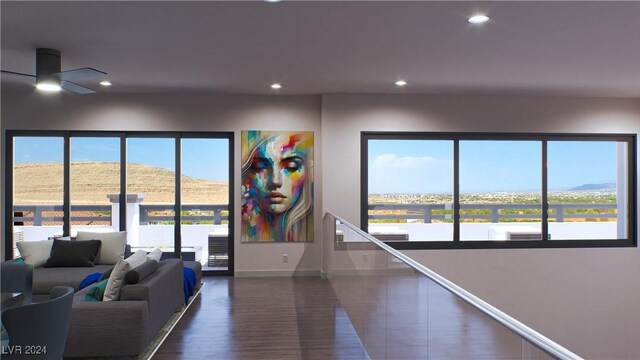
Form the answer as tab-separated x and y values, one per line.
167	190
435	190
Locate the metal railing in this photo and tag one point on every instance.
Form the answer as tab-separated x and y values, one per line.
36	215
148	217
491	212
538	340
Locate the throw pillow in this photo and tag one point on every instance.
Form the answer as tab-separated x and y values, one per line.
73	253
139	273
89	279
155	255
35	253
96	292
116	279
113	244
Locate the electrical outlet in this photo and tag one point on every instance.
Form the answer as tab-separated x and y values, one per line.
285	258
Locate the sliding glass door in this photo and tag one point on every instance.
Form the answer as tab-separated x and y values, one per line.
205	201
59	183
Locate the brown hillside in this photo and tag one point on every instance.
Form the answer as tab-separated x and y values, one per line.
92	181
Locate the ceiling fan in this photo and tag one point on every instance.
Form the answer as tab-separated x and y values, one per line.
49	74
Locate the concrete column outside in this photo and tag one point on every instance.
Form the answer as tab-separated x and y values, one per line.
133	216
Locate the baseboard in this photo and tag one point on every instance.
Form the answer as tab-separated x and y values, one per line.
275	273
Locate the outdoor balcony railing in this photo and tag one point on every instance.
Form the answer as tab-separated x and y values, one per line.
37	215
149	214
492	212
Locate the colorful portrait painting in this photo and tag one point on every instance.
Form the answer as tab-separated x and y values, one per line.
277	186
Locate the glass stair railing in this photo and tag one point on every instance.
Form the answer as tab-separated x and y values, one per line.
403	310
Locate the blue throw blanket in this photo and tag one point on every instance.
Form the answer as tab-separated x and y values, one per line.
189	280
89	279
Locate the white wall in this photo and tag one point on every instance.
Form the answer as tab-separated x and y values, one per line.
585	299
190	112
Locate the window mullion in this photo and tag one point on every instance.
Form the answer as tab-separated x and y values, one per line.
66	202
545	200
123	182
178	198
456	190
8	215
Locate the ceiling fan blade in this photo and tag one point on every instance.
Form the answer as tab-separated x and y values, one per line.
81	73
16	73
68	85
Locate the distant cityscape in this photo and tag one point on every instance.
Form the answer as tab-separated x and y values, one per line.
588	193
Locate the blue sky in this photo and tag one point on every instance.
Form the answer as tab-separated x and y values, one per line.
419	166
201	158
414	166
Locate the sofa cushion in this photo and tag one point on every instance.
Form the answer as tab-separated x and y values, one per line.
140	272
35	253
156	254
45	279
73	253
113	245
116	280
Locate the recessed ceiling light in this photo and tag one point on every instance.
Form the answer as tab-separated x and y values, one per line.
105	83
401	83
276	86
272	1
478	19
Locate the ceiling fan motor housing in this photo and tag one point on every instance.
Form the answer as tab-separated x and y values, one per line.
48	61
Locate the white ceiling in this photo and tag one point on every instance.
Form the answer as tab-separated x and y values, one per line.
573	48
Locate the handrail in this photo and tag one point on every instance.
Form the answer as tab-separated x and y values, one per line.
540	341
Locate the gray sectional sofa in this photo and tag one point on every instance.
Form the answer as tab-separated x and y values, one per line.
116	328
121	315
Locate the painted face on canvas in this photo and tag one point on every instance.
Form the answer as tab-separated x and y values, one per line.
278	173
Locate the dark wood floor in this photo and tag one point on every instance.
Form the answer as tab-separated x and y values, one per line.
396	316
264	318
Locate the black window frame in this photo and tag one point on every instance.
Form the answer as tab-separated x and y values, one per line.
123	135
544	138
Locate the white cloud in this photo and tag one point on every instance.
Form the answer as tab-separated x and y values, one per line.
410	174
390	162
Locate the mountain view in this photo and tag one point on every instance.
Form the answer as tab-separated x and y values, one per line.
42	183
591	187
